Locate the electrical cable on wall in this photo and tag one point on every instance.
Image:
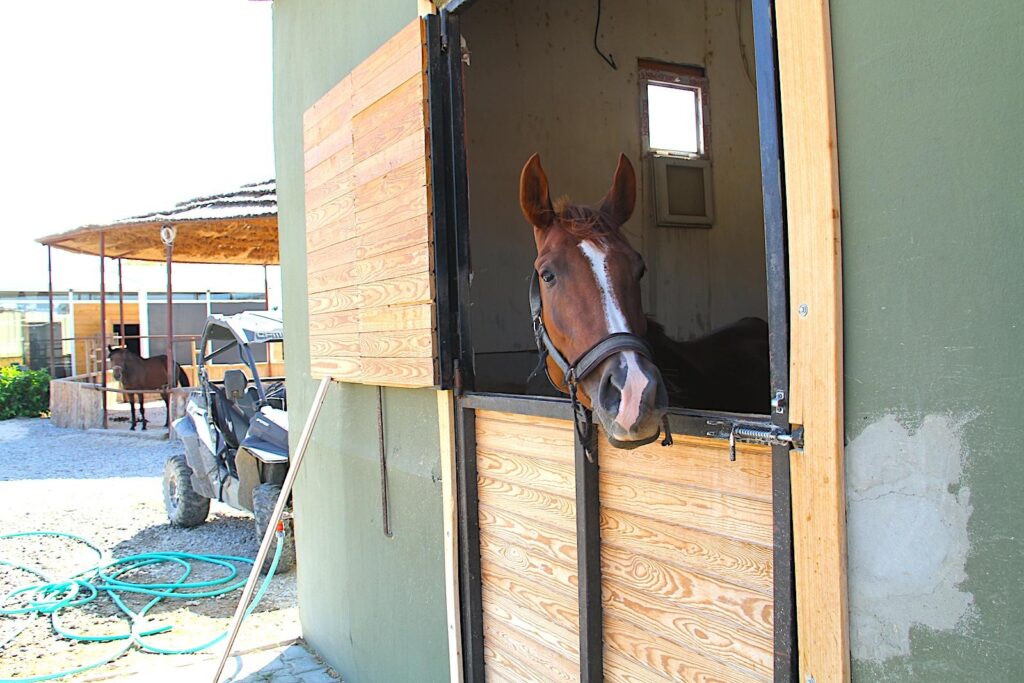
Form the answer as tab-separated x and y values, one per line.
597	26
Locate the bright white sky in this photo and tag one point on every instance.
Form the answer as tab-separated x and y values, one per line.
112	108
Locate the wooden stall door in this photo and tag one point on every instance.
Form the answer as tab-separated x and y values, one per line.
369	239
686	562
686	556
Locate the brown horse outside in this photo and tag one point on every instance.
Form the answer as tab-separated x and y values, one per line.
136	373
589	279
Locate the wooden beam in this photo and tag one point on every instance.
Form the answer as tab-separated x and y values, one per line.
816	365
450	520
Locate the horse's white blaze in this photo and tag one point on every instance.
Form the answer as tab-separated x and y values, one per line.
636	381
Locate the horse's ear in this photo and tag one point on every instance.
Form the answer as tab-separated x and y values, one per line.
534	196
618	204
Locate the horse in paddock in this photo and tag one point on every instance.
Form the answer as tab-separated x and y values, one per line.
138	374
595	341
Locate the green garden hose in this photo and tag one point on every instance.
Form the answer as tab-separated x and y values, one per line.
50	598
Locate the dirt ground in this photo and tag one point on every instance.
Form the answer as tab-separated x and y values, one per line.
107	488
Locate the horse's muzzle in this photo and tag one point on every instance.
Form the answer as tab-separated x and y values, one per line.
629	399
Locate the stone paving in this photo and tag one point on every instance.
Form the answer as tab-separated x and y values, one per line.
290	662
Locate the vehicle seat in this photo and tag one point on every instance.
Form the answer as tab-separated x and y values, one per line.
230	419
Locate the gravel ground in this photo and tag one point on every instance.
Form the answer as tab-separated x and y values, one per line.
108	489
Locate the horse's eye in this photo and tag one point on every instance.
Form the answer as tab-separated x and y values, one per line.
547	276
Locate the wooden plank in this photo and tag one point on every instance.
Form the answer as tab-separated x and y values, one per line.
450	525
714	597
691	629
816	341
703	463
557	512
533	569
411	204
541	663
397	115
396	318
341	162
405	262
332	102
318	260
550	477
331	189
395	237
547	634
555	546
408	289
340	368
334	300
387	68
402	152
635	656
537	437
334	346
333	142
411	344
502	666
334	322
537	600
331	223
398	372
742	563
401	181
742	518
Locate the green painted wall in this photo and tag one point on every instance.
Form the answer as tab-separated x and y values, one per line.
372	606
930	105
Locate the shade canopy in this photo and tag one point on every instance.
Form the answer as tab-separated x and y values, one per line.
238	227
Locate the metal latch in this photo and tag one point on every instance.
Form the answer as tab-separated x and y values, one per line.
755	433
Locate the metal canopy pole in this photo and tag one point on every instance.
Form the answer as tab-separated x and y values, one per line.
49	272
167	234
103	325
120	300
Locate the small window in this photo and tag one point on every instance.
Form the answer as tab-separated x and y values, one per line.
676	140
673	119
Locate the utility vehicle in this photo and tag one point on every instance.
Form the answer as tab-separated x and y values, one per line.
235	429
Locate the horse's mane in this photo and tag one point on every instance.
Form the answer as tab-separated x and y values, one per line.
583	222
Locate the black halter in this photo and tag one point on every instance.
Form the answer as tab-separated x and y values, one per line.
573	372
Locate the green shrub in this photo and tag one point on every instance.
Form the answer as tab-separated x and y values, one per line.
23	393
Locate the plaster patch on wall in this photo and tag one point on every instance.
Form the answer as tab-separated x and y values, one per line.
907	515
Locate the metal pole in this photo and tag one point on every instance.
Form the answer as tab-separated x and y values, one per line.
49	272
295	461
103	325
120	299
266	290
167	235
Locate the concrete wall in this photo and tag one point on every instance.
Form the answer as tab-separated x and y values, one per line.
372	606
929	108
535	84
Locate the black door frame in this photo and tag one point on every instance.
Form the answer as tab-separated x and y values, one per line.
452	266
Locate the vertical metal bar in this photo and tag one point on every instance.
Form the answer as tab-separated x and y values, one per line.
470	578
437	109
49	273
103	325
773	191
120	300
459	206
266	291
71	325
170	318
382	454
588	562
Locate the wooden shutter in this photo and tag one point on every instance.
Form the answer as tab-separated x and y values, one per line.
369	250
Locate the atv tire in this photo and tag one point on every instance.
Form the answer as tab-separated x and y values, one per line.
185	507
264	498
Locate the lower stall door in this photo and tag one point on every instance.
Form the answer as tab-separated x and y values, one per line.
686	556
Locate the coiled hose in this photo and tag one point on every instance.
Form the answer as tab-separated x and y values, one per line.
49	598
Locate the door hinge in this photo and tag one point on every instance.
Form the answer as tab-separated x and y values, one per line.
755	433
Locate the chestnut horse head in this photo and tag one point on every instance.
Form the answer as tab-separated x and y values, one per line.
589	281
